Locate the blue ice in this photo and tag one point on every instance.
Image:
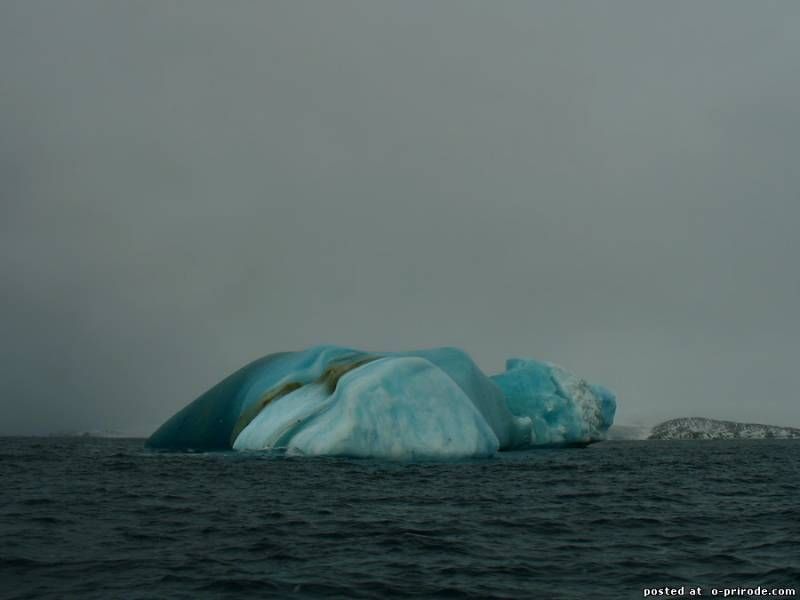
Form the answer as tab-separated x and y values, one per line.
428	404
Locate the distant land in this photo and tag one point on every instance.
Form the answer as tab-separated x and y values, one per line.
699	428
93	434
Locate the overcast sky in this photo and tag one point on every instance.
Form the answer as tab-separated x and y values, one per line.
186	186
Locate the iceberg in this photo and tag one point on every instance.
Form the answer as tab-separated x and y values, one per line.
563	408
426	404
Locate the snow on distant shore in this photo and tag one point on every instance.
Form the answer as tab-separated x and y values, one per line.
700	428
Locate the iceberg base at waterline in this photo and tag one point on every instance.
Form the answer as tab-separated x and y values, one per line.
427	404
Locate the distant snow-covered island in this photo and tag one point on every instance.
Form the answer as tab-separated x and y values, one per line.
700	428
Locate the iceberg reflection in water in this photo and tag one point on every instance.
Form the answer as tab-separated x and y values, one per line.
428	404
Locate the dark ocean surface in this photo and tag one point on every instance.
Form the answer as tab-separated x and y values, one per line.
104	518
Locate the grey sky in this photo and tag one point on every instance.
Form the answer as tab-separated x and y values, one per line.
186	186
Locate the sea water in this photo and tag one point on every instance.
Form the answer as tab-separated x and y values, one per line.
105	518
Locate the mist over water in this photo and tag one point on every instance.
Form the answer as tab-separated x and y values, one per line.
99	518
188	186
